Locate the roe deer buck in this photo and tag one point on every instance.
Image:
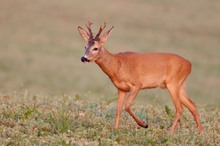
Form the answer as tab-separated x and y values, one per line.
131	72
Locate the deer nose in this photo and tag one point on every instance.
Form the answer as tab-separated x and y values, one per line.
84	59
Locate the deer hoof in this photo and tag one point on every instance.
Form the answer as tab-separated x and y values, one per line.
145	125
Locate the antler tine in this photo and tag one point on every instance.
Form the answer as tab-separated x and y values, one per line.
89	28
100	30
104	25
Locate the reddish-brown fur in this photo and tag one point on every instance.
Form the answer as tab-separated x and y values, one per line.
131	72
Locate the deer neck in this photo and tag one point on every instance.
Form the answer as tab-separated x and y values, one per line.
107	62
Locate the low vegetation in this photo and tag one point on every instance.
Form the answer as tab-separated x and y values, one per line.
35	120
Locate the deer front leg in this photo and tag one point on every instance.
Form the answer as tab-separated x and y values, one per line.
121	99
129	101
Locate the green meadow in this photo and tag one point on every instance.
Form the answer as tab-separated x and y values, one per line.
48	97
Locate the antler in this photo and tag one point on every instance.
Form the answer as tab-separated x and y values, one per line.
89	28
100	30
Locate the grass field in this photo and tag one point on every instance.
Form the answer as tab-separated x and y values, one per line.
48	97
67	120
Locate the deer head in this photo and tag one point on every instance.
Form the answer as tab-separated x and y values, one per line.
94	45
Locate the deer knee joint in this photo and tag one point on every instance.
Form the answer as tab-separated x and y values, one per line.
127	107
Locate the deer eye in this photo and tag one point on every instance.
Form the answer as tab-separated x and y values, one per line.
95	49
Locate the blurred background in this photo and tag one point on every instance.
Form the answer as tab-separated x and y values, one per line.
40	48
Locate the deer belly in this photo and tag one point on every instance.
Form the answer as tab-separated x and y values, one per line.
154	82
121	85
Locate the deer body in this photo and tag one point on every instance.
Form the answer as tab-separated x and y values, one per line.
148	70
131	72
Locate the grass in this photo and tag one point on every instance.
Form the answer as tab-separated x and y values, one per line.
40	62
69	120
41	48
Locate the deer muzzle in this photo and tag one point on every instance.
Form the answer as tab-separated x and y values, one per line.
84	59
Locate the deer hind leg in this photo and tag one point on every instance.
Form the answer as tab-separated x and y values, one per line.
129	101
185	100
174	92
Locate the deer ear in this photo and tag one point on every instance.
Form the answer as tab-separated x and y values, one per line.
105	35
83	33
